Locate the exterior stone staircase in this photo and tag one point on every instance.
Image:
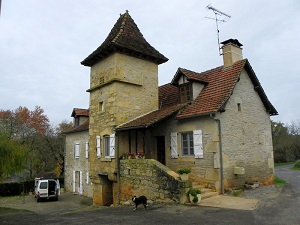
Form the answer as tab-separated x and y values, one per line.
205	192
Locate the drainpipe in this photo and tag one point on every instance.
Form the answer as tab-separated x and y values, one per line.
212	116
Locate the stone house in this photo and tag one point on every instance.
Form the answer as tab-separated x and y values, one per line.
216	123
77	154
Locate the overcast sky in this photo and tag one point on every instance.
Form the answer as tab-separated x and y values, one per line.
42	43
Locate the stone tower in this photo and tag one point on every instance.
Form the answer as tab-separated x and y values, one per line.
123	85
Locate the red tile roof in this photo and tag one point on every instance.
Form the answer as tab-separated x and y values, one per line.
125	37
220	85
80	112
151	118
82	127
168	95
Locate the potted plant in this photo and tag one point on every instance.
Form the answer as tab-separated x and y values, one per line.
194	195
184	173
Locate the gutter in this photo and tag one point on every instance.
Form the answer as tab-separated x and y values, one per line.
212	116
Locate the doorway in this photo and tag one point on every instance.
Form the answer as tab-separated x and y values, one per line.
106	190
161	151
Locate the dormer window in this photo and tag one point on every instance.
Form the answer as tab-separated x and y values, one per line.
185	93
76	121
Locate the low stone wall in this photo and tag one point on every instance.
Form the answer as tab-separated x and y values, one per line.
150	178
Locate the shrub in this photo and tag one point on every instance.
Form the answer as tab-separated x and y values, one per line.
194	193
184	170
297	164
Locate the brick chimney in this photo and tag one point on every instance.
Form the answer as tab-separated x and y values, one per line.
231	51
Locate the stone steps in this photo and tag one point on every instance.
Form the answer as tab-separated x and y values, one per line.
205	192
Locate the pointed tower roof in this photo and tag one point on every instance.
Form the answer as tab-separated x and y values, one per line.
126	38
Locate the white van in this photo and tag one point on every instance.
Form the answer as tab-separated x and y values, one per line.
46	189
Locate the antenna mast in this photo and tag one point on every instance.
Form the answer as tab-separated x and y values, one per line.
217	13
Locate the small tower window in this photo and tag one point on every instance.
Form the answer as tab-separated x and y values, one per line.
101	106
239	107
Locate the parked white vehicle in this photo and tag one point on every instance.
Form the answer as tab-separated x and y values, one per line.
46	189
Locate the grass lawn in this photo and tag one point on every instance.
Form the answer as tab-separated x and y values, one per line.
279	182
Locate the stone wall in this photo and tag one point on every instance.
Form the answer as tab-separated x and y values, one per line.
80	164
246	136
121	88
150	178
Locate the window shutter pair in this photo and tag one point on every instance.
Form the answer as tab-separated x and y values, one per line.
198	144
111	146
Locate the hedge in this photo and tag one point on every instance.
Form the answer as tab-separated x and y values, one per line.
16	188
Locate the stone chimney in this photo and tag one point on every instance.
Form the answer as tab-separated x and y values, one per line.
231	51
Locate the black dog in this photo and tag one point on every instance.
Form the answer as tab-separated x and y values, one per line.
140	200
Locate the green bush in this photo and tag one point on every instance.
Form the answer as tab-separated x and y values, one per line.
184	170
297	164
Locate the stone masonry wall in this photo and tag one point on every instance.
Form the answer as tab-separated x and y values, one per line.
80	164
150	178
125	87
246	136
204	170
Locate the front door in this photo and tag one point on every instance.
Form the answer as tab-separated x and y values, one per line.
161	151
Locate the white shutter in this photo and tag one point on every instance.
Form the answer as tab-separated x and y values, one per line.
86	150
76	150
112	146
73	181
87	178
174	153
80	183
198	144
98	144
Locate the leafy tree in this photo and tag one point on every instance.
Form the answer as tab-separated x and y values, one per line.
28	133
286	141
12	157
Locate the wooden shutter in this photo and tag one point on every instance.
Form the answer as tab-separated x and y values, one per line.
86	150
112	146
174	152
198	144
98	146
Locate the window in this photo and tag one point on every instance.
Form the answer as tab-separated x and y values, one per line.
239	107
185	93
76	150
187	144
43	185
76	121
107	146
101	106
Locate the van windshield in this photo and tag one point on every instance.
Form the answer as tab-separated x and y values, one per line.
43	185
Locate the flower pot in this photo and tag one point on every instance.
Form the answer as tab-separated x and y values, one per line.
184	176
192	197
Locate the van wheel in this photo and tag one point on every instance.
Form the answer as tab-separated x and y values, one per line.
56	198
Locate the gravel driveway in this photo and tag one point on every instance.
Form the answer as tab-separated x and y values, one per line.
67	202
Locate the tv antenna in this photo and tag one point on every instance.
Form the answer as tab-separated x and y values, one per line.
217	13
